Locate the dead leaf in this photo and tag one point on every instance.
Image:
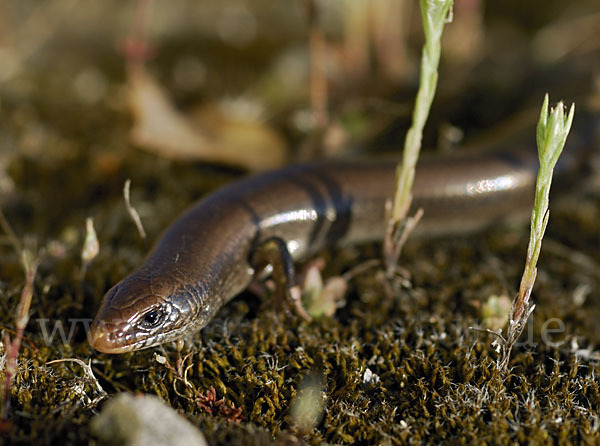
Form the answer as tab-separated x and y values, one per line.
212	136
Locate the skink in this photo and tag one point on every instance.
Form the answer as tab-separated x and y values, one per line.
204	258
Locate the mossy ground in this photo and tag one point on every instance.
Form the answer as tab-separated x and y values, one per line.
437	379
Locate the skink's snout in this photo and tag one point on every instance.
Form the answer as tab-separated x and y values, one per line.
110	338
100	339
111	331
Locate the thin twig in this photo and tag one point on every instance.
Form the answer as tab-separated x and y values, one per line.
396	236
132	212
12	347
26	339
318	61
12	238
89	377
135	46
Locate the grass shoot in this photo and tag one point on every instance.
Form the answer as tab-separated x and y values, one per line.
552	131
435	14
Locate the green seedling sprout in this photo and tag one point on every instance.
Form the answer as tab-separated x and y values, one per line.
435	14
552	131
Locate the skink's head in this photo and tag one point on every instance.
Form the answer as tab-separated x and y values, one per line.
139	313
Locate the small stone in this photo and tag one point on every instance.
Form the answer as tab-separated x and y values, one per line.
134	420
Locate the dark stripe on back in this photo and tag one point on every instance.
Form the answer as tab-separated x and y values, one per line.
335	199
342	205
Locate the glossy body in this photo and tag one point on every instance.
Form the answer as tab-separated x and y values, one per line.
202	259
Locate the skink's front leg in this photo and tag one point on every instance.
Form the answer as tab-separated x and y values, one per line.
274	252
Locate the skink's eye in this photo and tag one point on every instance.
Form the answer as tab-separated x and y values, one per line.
152	318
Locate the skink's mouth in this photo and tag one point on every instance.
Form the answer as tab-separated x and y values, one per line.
115	338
